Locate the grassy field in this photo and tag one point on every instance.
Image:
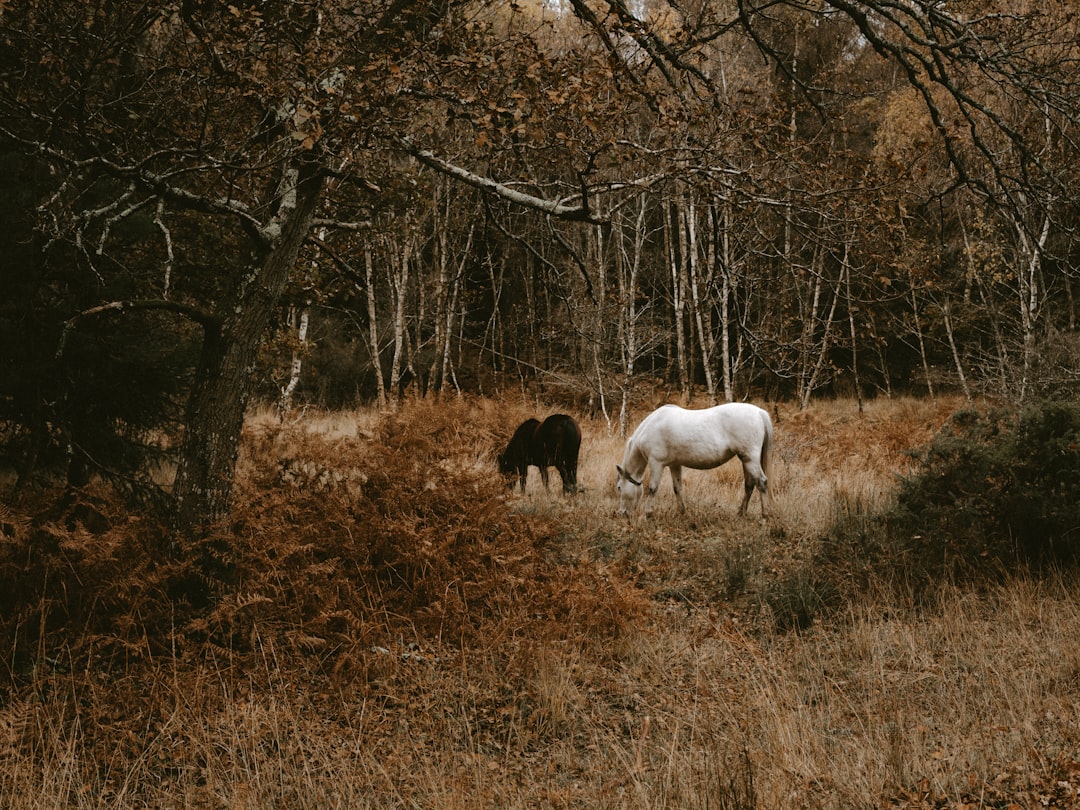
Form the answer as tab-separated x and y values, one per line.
381	625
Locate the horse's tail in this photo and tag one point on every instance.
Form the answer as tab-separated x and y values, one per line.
575	441
573	451
766	443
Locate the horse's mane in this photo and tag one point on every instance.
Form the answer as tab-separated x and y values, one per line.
632	454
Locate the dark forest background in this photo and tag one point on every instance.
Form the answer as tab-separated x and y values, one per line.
338	204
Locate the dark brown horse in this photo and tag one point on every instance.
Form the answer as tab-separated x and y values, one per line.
553	443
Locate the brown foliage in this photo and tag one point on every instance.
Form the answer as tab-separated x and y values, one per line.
334	546
379	624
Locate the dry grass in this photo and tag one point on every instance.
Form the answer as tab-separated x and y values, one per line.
381	625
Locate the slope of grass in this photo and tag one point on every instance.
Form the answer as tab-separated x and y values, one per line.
381	624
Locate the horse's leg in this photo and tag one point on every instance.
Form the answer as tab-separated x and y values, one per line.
656	472
544	476
748	490
566	464
569	477
676	484
754	477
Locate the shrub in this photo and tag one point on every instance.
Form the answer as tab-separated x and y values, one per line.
796	600
996	489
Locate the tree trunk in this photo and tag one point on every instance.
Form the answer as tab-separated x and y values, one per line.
452	315
222	386
699	292
922	341
810	365
398	267
946	310
845	269
441	306
373	328
628	267
493	329
726	365
678	299
287	390
1030	289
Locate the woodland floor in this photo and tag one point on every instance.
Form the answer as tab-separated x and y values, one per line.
381	625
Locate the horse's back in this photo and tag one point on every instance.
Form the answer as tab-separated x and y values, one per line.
563	426
703	437
743	419
560	437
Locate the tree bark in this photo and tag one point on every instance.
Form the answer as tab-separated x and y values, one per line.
628	266
726	264
845	269
1029	287
678	298
300	324
222	386
814	356
946	310
699	296
398	267
373	328
922	341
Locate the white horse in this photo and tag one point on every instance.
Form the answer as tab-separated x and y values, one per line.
675	437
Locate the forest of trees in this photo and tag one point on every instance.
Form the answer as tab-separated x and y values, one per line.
333	201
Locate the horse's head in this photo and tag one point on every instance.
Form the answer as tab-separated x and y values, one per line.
506	466
629	490
508	469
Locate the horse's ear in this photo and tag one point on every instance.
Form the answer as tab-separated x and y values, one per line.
620	470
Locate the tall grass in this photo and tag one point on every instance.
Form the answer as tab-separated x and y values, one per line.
386	626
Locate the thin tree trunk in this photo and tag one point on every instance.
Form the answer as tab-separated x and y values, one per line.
922	342
446	371
678	301
1030	290
493	328
399	281
846	269
696	283
287	391
628	268
947	311
1003	360
446	294
726	370
810	376
883	361
373	329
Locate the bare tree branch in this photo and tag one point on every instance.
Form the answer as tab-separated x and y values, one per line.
159	185
199	316
555	208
